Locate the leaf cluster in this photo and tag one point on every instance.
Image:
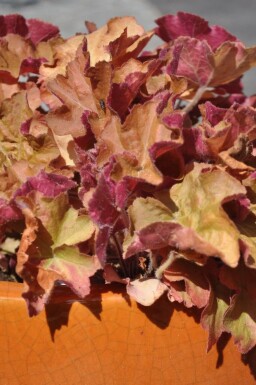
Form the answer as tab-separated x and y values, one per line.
131	165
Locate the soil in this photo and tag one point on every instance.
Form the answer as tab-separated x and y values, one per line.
7	277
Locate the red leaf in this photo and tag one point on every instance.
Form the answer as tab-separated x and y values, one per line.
196	291
8	212
31	65
102	206
186	24
127	82
104	211
212	113
41	31
3	27
175	122
192	59
16	24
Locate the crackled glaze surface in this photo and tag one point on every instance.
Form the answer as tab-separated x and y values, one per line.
108	340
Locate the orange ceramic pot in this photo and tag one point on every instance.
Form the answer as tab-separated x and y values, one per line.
108	339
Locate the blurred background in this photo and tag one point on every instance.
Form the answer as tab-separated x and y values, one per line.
235	15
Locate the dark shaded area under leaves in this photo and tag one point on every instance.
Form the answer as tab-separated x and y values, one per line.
6	276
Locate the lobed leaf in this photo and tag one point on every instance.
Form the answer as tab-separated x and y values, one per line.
240	321
199	200
75	93
106	153
48	250
194	59
207	230
186	24
213	315
99	40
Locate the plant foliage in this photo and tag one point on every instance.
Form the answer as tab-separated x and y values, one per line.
130	165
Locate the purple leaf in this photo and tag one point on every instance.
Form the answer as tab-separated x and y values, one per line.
102	206
50	185
9	212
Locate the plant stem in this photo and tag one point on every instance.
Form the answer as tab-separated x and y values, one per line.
119	252
171	257
199	93
6	251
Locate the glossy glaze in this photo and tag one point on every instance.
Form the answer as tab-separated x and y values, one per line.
110	340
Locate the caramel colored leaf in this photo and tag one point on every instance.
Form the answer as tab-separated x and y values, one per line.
75	92
99	40
199	222
131	141
14	50
59	53
231	60
141	129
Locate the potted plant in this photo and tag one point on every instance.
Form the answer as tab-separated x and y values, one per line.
134	167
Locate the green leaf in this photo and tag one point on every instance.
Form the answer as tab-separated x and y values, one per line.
198	222
247	229
144	212
240	321
240	318
199	200
212	317
51	212
72	266
49	251
73	229
64	224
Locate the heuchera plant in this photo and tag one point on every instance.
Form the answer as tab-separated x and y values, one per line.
120	164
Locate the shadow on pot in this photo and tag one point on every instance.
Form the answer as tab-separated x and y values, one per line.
159	313
58	309
220	346
250	360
